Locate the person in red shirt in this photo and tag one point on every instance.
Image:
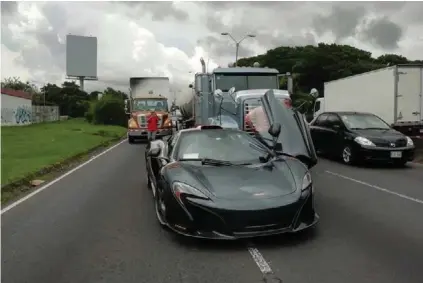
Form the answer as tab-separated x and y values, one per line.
152	121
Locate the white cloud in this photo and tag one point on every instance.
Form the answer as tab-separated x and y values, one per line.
165	39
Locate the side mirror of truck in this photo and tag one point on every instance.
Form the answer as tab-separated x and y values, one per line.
127	106
314	92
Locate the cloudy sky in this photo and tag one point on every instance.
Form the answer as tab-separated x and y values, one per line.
168	38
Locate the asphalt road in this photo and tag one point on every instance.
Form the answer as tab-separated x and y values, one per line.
98	225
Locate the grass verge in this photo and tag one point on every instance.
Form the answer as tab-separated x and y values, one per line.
40	150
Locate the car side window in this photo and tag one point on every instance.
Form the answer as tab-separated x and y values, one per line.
333	120
171	144
320	121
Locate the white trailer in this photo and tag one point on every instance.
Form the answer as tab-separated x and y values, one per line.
393	93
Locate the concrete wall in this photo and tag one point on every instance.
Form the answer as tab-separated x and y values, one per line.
15	110
45	113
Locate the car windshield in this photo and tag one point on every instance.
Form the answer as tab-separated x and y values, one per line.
363	121
242	82
224	121
226	145
150	105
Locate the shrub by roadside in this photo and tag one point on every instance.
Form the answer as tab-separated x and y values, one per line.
109	110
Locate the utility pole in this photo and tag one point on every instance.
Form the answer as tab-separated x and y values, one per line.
237	43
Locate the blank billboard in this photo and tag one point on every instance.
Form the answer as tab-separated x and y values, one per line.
81	56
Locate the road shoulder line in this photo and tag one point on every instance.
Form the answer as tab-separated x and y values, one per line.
21	200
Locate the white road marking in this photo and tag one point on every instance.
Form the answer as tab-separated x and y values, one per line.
377	187
260	261
16	203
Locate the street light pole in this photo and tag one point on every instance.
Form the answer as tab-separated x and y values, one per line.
237	43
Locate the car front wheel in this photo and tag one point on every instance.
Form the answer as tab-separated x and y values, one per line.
347	155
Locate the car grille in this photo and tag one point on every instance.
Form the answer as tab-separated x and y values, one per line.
385	143
142	120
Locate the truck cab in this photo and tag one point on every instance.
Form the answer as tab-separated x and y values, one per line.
205	104
148	94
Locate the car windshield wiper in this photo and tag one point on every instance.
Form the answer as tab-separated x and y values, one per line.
215	162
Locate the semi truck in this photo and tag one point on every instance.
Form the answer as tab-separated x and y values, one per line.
148	94
228	94
393	93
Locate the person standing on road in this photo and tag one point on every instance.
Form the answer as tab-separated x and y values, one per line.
152	121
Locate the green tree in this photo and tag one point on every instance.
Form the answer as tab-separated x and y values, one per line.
312	66
16	84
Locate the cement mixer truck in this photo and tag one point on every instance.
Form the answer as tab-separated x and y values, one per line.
148	94
228	94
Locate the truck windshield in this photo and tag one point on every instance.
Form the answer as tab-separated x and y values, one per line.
246	81
150	104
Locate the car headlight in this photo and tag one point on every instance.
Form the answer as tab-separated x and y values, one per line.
363	141
409	141
132	123
179	189
307	185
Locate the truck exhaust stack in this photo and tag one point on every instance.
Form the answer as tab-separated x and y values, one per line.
203	65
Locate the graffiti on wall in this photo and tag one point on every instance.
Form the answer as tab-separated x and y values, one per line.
23	115
20	115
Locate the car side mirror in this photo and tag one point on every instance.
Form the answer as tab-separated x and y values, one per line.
154	152
275	130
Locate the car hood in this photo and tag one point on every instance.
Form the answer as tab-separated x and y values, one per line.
244	182
389	135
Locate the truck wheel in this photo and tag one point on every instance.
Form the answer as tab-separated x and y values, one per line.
347	155
130	140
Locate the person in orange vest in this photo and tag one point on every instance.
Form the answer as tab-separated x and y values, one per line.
152	121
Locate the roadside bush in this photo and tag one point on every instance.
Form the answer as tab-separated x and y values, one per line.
108	111
89	115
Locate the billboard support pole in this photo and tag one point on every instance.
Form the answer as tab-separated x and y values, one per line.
81	83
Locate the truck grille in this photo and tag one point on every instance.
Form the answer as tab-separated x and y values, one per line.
142	120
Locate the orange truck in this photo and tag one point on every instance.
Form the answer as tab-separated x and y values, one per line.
148	94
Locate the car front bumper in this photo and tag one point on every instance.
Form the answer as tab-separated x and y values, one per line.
368	153
209	223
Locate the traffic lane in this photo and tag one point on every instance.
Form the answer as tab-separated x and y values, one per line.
407	180
363	235
98	225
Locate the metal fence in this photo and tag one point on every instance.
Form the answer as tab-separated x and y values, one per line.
46	113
